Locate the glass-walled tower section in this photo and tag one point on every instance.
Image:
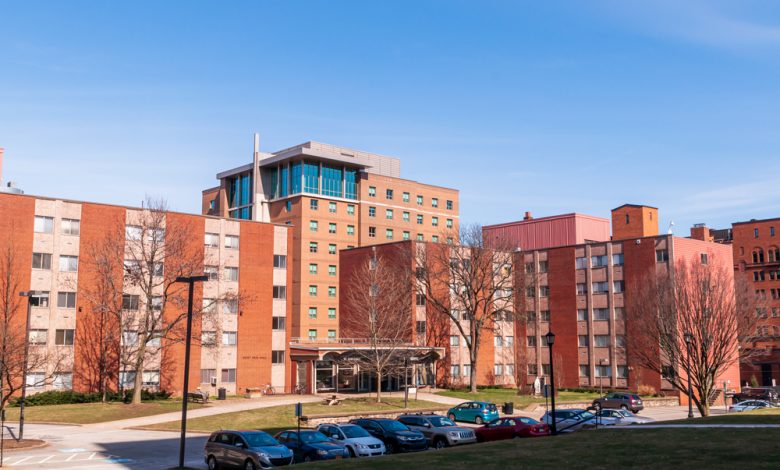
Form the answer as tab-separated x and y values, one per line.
312	177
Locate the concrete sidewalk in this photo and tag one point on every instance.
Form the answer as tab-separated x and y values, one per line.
214	408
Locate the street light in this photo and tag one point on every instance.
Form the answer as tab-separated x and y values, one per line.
688	340
22	399
191	280
550	341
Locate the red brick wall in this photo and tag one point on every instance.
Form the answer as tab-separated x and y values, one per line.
563	316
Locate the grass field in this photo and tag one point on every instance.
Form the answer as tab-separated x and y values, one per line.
599	449
278	418
85	413
502	395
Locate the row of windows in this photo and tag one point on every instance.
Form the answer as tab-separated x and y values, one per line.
314	290
602	371
314	226
63	337
601	287
314	204
331	313
405	235
230	273
600	341
315	246
59	381
67	263
599	314
313	334
761	276
43	224
599	261
773	254
64	299
756	232
212	241
498	370
314	269
405	216
406	197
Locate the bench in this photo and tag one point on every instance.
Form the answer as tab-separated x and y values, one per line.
198	397
332	401
253	392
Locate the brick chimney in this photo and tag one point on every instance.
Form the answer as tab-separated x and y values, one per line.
701	232
528	216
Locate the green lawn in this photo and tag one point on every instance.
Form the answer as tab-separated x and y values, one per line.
85	413
768	416
502	395
599	449
278	418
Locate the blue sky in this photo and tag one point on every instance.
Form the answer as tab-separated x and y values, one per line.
549	107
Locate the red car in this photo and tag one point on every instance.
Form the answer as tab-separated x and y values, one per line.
511	427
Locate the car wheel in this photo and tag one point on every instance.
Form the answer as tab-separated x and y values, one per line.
597	406
439	443
451	416
249	465
478	420
352	453
212	463
390	448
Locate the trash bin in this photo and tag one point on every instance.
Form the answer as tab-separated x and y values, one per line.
509	408
221	393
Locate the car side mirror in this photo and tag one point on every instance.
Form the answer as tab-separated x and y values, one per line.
240	445
427	425
334	436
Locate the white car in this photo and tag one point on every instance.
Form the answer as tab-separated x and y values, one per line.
357	440
621	417
750	405
570	420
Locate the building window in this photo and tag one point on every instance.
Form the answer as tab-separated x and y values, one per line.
405	197
277	357
66	300
532	369
455	370
40	299
582	341
498	370
498	341
331	228
133	233
130	302
420	237
372	191
543	266
229	338
332	207
211	240
228	375
420	300
389	214
372	232
231	242
208	338
231	274
600	314
332	313
622	372
419	219
389	233
405	216
544	341
419	200
39	336
389	193
466	370
628	219
350	229
332	249
288	206
70	227
331	291
313	225
230	306
420	328
581	263
454	340
406	235
350	209
435	221
617	259
598	261
449	223
280	261
312	268
313	291
582	314
583	371
312	334
43	224
771	231
619	286
69	264
62	381
371	211
312	312
546	369
544	316
449	205
434	202
544	291
755	233
331	270
601	341
661	256
531	341
212	272
208	376
41	261
603	371
582	289
705	259
600	287
435	238
313	247
209	305
278	323
64	337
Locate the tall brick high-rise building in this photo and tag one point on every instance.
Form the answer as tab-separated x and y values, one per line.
334	198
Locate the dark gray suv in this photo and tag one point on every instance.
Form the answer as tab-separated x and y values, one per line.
248	450
439	430
618	400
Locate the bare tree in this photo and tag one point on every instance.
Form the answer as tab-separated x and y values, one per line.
379	313
699	300
468	282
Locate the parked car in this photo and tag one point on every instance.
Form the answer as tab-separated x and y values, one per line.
396	436
440	431
619	417
358	441
617	400
309	445
750	405
757	393
510	428
474	411
570	420
248	450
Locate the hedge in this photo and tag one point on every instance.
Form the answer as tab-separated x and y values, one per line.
67	397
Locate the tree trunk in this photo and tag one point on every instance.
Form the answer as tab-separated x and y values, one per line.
378	386
473	372
139	376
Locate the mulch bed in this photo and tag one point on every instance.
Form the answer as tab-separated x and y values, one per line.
13	444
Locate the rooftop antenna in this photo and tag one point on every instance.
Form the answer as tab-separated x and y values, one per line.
671	224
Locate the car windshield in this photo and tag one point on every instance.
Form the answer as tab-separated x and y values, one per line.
354	431
393	426
313	437
440	421
625	413
259	439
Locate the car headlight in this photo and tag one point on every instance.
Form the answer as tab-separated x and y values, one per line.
322	452
362	446
263	455
403	438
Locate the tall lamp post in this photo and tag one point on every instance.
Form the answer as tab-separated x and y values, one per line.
550	341
26	356
191	280
688	340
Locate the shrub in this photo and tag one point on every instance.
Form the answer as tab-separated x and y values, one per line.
67	397
646	390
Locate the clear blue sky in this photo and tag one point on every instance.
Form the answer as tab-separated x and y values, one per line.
544	106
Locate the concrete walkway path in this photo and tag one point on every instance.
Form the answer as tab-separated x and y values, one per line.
215	407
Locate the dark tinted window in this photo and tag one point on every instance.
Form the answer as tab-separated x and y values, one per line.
259	439
393	426
225	438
